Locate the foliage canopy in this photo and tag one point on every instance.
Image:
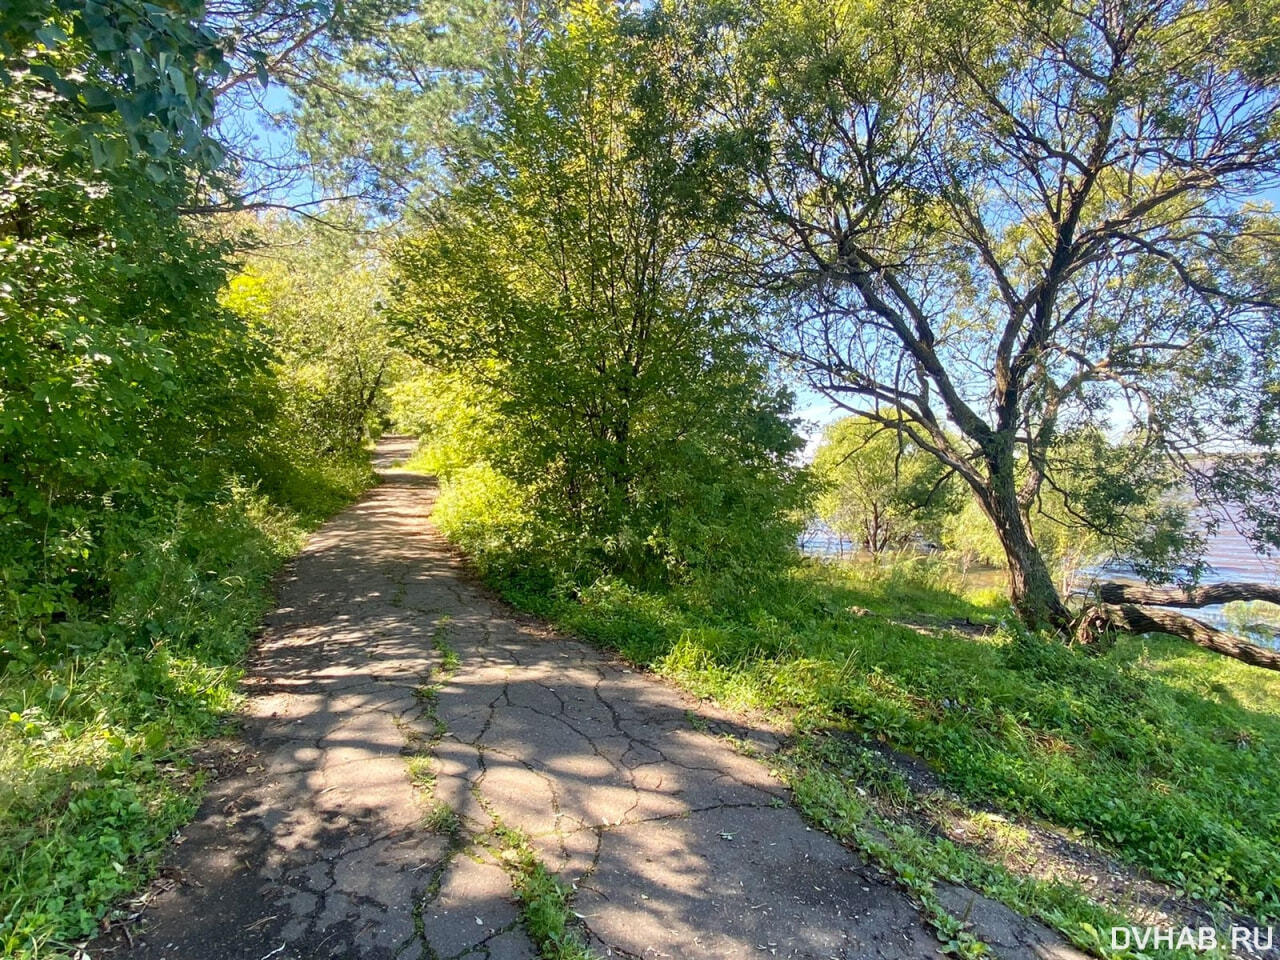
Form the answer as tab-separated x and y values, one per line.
568	277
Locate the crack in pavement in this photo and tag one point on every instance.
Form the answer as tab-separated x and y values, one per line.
314	838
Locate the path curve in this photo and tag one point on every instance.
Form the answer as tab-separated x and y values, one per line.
313	843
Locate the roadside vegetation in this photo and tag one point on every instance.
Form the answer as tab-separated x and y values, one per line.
96	747
585	252
175	414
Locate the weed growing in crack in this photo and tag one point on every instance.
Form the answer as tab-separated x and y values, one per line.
420	761
449	659
421	773
428	694
544	900
442	818
435	878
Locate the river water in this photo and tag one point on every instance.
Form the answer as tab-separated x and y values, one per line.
1229	557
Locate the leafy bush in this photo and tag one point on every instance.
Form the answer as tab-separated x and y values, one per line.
318	303
598	371
125	386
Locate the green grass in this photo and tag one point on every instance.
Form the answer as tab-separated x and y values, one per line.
544	900
1158	752
449	660
442	818
870	817
97	730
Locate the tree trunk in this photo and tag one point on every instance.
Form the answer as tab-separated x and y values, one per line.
1031	586
1138	619
1191	596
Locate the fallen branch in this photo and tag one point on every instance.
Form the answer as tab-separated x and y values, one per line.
1138	619
1189	597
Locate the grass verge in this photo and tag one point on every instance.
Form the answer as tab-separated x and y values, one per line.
97	732
1157	754
870	818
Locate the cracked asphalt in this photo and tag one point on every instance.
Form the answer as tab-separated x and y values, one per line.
313	842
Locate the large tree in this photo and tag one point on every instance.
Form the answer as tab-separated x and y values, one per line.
383	104
567	276
986	225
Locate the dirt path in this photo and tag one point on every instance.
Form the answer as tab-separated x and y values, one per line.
313	841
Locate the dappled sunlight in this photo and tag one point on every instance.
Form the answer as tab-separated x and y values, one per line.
382	647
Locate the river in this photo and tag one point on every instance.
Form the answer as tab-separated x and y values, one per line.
1228	554
1229	557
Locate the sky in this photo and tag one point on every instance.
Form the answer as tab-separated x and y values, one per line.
253	114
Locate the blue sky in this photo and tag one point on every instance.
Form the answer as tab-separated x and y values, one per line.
813	409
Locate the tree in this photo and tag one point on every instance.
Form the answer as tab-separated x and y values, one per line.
989	226
879	491
567	276
123	384
1104	504
319	299
284	55
387	105
130	81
